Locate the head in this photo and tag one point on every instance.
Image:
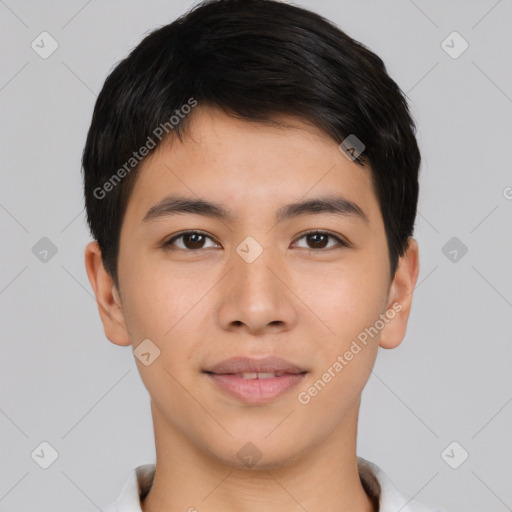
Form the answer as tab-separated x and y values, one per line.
238	109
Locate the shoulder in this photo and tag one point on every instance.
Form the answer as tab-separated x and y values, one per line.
137	485
377	483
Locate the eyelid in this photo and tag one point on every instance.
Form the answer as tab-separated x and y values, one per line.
168	242
338	238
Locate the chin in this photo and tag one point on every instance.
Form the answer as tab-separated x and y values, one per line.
257	455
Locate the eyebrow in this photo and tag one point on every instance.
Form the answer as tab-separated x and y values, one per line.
331	204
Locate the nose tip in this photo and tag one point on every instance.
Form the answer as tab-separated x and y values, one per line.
255	298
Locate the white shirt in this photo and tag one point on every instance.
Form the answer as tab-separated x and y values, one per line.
376	483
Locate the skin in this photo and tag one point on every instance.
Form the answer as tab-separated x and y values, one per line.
297	300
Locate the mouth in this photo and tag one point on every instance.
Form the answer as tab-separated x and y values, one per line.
242	365
255	381
255	388
258	375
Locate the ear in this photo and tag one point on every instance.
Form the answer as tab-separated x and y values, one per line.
400	297
107	296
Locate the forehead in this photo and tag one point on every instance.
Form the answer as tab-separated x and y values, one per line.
249	165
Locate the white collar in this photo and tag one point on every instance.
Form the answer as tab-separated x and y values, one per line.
375	481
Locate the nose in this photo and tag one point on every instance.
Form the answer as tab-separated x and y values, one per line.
257	296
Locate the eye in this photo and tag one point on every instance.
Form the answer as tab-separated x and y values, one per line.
195	240
319	239
192	240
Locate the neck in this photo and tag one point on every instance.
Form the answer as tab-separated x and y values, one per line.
325	478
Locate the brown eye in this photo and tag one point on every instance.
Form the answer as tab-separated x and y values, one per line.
319	239
191	240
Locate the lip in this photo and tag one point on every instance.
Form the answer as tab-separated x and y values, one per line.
243	364
255	391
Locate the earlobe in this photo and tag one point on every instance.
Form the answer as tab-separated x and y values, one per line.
400	297
107	297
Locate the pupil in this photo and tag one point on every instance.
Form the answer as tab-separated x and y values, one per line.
194	235
316	236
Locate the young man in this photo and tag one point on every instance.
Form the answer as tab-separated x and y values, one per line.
251	181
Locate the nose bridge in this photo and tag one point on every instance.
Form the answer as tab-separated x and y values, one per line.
256	284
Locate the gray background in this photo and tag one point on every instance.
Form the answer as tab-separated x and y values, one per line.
450	380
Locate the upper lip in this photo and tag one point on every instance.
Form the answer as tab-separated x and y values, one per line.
251	365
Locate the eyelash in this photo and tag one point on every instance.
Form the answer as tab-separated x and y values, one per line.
168	244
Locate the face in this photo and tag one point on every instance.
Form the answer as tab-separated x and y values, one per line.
302	285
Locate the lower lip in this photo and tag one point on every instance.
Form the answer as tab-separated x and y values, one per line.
256	391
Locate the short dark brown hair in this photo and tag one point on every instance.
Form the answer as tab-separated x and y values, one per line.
254	59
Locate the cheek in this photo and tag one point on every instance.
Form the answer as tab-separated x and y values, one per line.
147	309
168	307
349	306
163	309
345	301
